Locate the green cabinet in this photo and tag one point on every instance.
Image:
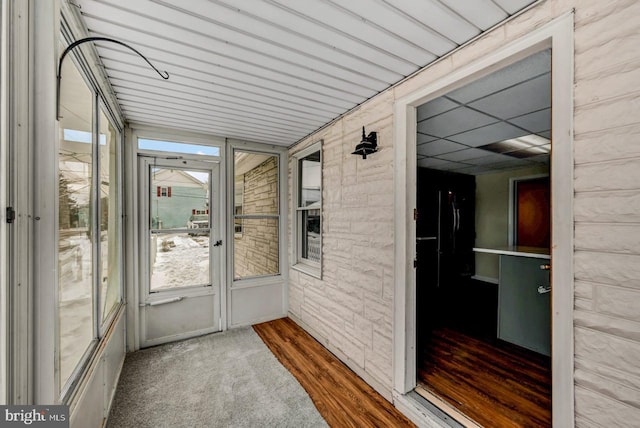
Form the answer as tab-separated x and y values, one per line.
524	314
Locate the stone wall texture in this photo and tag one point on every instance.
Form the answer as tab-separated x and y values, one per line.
351	306
256	249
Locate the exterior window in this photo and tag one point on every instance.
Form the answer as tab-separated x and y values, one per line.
89	225
164	192
76	228
308	206
109	248
237	206
256	248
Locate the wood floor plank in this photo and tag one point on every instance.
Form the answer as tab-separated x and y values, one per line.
495	384
341	397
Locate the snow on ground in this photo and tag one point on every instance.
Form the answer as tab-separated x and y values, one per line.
181	260
76	305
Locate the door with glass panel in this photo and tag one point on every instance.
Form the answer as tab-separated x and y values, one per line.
180	293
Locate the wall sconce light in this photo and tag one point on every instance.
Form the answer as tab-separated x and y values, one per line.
368	145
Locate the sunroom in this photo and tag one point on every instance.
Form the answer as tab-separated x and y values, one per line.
442	194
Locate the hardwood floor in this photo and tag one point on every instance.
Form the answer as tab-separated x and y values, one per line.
497	385
341	397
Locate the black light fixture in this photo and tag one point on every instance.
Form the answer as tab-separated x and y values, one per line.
368	145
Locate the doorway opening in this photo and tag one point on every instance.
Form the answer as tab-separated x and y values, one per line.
483	319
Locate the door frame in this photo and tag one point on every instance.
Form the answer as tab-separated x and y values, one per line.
146	298
557	35
132	224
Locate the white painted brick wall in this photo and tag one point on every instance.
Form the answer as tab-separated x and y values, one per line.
351	307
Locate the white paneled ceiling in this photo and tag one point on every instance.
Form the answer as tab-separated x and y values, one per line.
274	71
501	121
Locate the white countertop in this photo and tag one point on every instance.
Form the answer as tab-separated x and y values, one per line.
533	252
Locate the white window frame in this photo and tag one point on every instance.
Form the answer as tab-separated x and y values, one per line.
299	263
66	389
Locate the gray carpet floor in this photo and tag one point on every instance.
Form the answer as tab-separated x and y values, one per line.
228	379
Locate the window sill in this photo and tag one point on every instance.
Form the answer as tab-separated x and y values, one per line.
313	271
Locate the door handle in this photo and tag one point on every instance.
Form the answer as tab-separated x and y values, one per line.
162	302
544	289
218	243
545	267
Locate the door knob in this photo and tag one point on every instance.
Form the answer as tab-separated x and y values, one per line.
545	267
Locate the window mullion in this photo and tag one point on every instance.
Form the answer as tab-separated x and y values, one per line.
96	218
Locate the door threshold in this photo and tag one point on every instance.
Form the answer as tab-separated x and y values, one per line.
451	411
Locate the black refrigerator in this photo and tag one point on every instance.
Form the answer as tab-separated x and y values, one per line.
445	236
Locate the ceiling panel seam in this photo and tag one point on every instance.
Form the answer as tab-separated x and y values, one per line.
243	47
461	46
199	48
257	116
283	114
464	18
126	100
235	70
268	101
290	31
341	34
379	27
337	30
309	101
284	110
281	45
187	115
259	137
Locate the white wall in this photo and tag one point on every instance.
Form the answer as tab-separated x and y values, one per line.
492	215
350	309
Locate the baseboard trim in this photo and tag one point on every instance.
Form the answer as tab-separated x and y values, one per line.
374	383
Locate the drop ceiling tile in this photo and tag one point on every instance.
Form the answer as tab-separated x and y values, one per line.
488	134
514	164
545	159
490	159
464	155
439	147
425	138
438	164
434	107
513	74
474	170
545	134
454	121
537	121
526	97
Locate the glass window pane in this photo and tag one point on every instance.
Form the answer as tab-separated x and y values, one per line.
179	260
173	147
256	250
311	234
109	217
310	180
75	249
258	176
179	199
